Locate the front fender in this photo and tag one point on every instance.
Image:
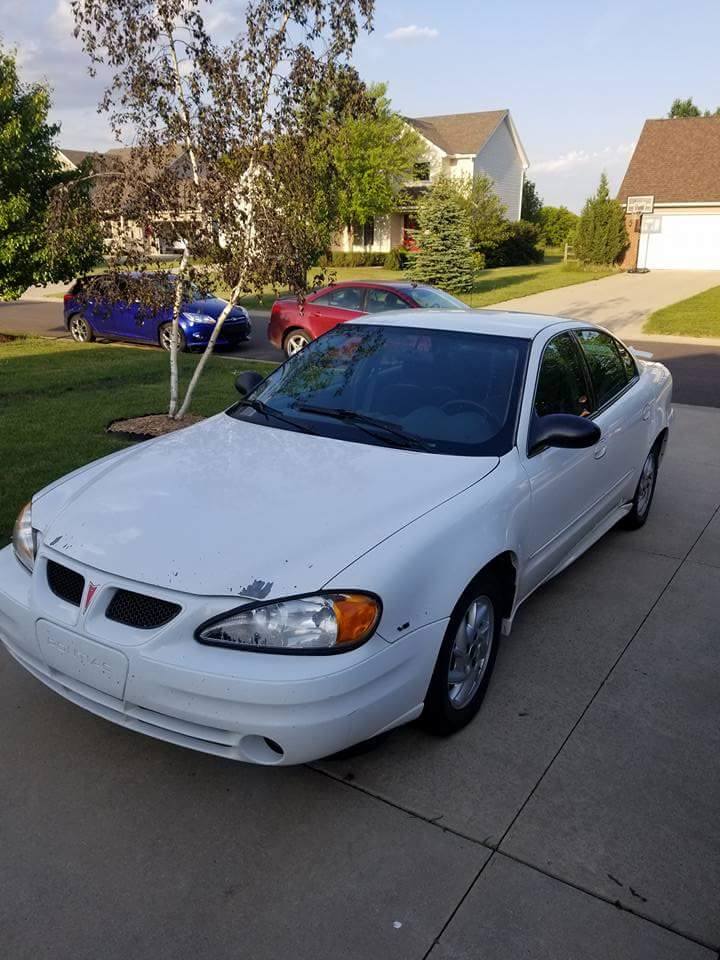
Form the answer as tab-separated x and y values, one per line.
421	570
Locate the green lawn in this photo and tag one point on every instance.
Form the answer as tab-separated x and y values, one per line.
57	397
698	316
491	286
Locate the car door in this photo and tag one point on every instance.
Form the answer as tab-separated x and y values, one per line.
620	409
568	487
335	306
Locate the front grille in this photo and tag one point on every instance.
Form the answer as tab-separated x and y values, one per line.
138	610
65	583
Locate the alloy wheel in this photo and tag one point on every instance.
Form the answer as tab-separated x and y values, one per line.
471	652
645	485
79	329
295	343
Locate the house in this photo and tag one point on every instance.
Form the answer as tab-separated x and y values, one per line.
457	144
674	176
71	159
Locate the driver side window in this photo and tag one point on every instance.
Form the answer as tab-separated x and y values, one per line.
562	386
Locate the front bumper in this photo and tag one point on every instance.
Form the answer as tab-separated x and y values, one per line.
255	707
232	333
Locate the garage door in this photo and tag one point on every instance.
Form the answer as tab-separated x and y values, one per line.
682	242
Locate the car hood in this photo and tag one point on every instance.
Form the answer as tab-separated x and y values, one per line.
212	307
234	508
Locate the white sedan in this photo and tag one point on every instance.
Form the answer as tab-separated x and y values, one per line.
339	552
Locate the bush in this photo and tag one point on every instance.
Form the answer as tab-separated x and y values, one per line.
397	259
340	259
557	225
521	247
601	236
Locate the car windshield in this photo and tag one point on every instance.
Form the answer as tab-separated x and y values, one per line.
441	391
432	299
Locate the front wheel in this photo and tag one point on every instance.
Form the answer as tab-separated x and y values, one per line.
644	492
466	659
166	333
295	341
80	329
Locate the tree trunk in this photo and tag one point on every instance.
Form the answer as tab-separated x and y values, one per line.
179	287
232	301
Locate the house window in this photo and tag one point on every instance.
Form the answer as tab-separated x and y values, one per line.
422	170
364	233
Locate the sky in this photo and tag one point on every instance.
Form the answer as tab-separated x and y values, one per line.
579	78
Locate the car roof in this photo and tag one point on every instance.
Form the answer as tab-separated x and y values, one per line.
406	285
501	323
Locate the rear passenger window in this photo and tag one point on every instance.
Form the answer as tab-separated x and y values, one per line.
562	387
607	370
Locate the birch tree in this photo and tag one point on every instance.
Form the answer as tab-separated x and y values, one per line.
224	140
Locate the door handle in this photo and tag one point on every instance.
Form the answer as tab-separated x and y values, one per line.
600	451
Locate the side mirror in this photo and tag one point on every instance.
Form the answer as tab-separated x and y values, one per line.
247	381
562	430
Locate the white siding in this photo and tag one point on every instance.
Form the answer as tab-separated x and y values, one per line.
500	160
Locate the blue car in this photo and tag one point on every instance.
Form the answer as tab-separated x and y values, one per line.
121	309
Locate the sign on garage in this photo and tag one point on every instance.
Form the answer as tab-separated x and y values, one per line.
636	205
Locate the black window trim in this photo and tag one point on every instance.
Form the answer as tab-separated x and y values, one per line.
597	410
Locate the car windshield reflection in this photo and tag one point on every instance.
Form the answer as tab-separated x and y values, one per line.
440	391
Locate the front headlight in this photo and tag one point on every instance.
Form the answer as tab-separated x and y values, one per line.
199	318
322	623
23	538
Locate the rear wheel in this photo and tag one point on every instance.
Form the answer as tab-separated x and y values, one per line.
80	329
642	501
466	659
295	341
166	333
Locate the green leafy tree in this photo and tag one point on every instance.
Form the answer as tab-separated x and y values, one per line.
531	202
445	256
686	108
488	225
29	170
557	225
374	154
601	235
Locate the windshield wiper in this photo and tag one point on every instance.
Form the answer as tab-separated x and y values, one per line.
362	420
268	412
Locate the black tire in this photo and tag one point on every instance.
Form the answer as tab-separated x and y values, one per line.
79	329
642	501
292	337
442	715
164	334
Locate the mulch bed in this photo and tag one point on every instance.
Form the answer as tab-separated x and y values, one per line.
151	425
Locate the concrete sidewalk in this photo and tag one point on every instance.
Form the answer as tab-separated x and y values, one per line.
621	303
575	819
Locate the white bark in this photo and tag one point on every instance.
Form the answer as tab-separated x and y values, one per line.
177	305
232	301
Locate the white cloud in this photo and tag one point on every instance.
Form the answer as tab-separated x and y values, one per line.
412	32
62	24
580	158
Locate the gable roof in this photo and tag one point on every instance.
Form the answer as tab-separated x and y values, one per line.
75	157
676	161
459	132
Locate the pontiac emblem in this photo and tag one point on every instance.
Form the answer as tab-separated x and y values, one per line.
91	591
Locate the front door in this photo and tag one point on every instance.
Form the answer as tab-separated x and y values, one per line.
568	487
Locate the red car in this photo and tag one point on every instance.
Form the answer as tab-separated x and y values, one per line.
293	325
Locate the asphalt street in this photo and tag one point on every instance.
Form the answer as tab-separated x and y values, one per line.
695	367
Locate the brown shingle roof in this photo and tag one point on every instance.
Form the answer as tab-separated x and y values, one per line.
75	157
677	161
459	132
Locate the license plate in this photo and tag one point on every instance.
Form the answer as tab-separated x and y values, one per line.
85	660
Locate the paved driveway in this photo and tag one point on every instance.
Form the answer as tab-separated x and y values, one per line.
621	302
576	818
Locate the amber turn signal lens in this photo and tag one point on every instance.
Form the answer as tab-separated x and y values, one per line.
357	616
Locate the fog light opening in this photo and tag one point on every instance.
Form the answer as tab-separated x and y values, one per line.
261	749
